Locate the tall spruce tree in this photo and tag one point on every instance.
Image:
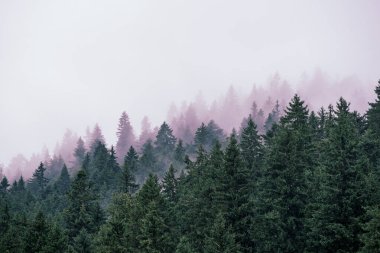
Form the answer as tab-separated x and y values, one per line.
373	113
125	136
281	202
38	182
79	153
234	194
83	210
335	225
251	146
165	140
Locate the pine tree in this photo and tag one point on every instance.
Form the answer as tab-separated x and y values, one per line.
373	113
154	232
234	194
4	184
83	211
170	185
79	153
165	140
63	183
371	235
37	234
56	240
38	182
154	236
129	182
83	242
132	159
221	239
119	233
335	226
201	136
148	160
281	201
180	152
250	144
96	138
125	136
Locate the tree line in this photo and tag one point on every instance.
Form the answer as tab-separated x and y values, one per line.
310	183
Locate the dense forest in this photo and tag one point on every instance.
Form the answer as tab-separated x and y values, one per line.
296	181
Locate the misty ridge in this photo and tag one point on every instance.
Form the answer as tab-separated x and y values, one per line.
265	103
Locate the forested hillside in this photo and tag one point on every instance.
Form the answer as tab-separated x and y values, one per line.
294	181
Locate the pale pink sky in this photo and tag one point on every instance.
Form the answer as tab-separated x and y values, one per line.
69	64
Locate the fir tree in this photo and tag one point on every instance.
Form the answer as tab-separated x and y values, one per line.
125	136
335	226
63	183
38	182
79	153
165	140
281	200
132	159
129	182
250	143
179	153
83	211
37	234
221	239
170	185
373	113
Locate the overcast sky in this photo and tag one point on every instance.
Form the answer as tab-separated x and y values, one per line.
69	64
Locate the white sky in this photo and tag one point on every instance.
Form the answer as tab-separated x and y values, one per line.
69	64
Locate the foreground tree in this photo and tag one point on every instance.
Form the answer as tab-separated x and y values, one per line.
281	200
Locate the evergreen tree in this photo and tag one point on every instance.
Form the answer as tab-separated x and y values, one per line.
56	240
37	234
148	160
125	136
83	242
154	236
119	233
234	194
165	140
63	183
281	201
83	211
221	239
170	185
129	183
4	184
179	153
79	153
132	159
201	136
335	226
251	147
373	113
38	182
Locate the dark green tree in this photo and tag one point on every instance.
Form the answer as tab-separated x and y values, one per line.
165	140
251	146
335	225
170	185
373	113
37	234
83	210
221	239
63	182
280	204
79	153
38	182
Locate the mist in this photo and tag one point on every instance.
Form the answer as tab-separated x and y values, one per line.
72	65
